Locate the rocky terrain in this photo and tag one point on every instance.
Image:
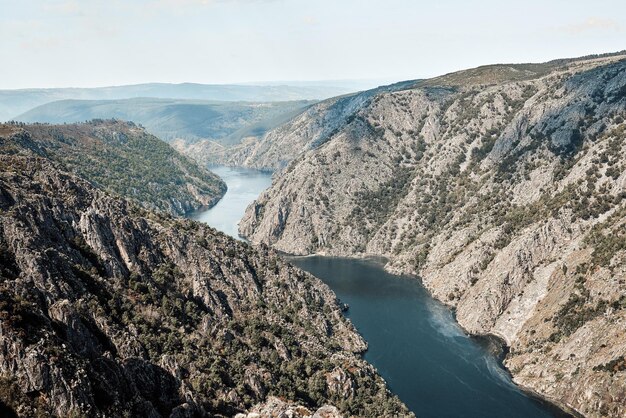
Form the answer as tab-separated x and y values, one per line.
306	130
122	158
107	309
503	187
275	407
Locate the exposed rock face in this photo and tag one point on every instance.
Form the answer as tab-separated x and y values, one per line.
503	187
305	131
110	310
275	407
122	158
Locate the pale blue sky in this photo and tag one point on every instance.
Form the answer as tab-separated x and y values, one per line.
58	43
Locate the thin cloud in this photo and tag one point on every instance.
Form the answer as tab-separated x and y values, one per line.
183	3
40	44
77	8
593	24
191	3
310	20
71	7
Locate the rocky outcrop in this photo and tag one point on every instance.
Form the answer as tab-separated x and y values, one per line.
279	146
503	188
275	407
107	309
303	131
122	158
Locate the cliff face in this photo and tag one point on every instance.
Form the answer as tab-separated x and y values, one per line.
122	158
503	188
303	131
306	131
110	310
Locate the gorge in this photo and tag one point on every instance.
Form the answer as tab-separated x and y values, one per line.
465	235
110	309
413	340
501	186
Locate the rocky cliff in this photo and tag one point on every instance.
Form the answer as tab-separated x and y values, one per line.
107	309
303	131
122	158
503	188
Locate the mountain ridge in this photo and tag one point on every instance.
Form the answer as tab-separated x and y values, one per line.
120	157
108	309
226	123
276	148
504	196
16	102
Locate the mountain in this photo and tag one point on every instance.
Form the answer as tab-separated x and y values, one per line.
107	309
16	102
502	187
221	123
122	158
276	147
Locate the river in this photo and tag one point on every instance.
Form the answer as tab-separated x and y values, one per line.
243	187
414	342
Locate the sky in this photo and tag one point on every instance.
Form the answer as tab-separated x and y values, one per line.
89	43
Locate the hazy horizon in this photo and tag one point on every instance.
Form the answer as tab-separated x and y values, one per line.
98	43
266	83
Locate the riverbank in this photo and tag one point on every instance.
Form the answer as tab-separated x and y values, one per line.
493	344
425	356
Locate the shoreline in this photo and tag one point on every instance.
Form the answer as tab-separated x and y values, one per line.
499	347
495	344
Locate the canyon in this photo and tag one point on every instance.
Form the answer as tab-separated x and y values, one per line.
501	187
108	309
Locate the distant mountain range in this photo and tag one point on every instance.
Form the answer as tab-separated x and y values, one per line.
225	123
16	102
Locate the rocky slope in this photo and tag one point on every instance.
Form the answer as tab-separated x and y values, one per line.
279	146
107	309
122	158
303	131
503	188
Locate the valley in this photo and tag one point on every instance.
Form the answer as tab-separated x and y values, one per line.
108	309
182	122
312	209
244	185
19	101
502	187
413	340
473	223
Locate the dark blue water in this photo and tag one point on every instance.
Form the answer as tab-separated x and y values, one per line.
414	341
419	349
